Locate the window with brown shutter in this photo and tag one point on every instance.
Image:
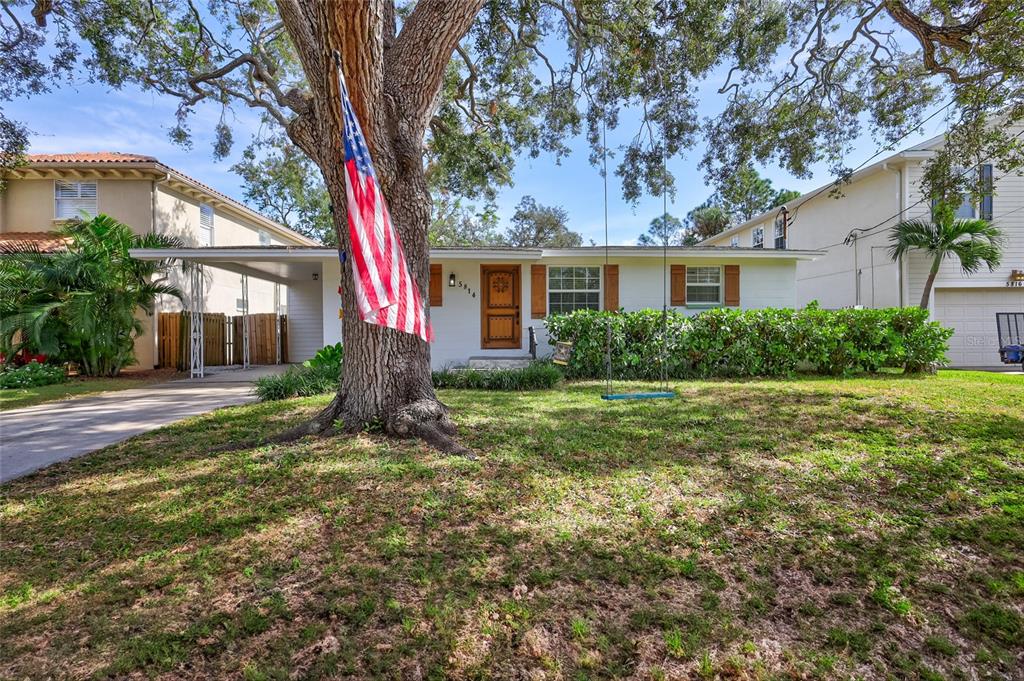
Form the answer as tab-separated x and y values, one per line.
732	285
538	291
678	281
436	285
611	287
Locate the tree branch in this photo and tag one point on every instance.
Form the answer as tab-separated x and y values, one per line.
421	52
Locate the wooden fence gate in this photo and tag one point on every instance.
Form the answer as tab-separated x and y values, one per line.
222	339
263	338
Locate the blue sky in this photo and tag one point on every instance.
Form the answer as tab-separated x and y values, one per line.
90	117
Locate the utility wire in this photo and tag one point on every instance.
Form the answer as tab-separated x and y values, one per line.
892	146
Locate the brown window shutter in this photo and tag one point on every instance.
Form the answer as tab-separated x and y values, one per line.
436	285
732	285
611	287
678	281
538	291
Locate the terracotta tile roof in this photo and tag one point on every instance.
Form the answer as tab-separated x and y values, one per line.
91	157
45	242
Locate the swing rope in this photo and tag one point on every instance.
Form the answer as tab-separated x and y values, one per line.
608	326
664	392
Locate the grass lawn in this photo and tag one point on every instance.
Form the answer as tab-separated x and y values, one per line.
810	528
15	398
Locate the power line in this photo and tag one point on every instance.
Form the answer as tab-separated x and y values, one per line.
891	147
867	231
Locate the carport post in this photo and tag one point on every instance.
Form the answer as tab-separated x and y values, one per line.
245	321
197	355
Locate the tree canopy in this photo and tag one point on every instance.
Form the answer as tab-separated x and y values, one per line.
800	79
664	230
537	226
280	181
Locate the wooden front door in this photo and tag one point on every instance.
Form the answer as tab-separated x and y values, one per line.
500	303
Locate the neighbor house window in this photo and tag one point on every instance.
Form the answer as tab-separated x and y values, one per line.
264	238
703	285
74	200
968	210
734	242
573	288
780	232
205	225
757	237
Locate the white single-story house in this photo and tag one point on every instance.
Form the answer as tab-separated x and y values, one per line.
853	232
486	303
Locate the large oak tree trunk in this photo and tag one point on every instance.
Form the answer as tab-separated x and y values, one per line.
394	81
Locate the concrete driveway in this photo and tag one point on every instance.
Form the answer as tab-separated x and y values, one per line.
35	437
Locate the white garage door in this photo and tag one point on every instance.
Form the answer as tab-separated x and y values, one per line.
971	313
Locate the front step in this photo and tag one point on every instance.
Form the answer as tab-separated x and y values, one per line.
491	363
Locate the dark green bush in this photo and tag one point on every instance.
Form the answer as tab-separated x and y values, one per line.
729	342
32	375
537	376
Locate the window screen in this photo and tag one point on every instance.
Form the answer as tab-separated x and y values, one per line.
573	288
703	285
757	237
780	232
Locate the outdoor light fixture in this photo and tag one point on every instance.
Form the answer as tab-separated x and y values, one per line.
316	276
451	279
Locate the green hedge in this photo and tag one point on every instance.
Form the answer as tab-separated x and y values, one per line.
770	342
537	376
32	375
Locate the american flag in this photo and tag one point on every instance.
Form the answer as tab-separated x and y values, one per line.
386	293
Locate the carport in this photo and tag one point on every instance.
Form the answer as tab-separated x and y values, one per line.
298	268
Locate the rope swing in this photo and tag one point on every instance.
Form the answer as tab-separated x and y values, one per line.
664	392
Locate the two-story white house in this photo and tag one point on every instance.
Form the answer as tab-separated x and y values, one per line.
150	197
854	230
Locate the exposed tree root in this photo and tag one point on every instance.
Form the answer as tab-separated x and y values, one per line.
428	420
321	424
425	419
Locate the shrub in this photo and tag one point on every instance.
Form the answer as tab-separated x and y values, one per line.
536	376
300	381
327	356
32	375
730	342
316	376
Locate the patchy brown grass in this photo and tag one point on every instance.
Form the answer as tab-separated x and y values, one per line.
781	529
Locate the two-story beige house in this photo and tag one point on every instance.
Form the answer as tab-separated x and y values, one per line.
854	231
149	196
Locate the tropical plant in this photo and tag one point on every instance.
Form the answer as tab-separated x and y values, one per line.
974	242
80	303
329	357
31	375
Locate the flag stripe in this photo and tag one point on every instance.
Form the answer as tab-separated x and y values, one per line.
386	292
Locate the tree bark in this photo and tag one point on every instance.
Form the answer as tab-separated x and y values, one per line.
386	379
926	294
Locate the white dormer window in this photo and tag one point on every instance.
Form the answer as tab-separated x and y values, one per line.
264	237
757	237
205	225
780	232
734	242
74	200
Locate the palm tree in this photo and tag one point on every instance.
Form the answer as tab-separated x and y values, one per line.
974	242
80	303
